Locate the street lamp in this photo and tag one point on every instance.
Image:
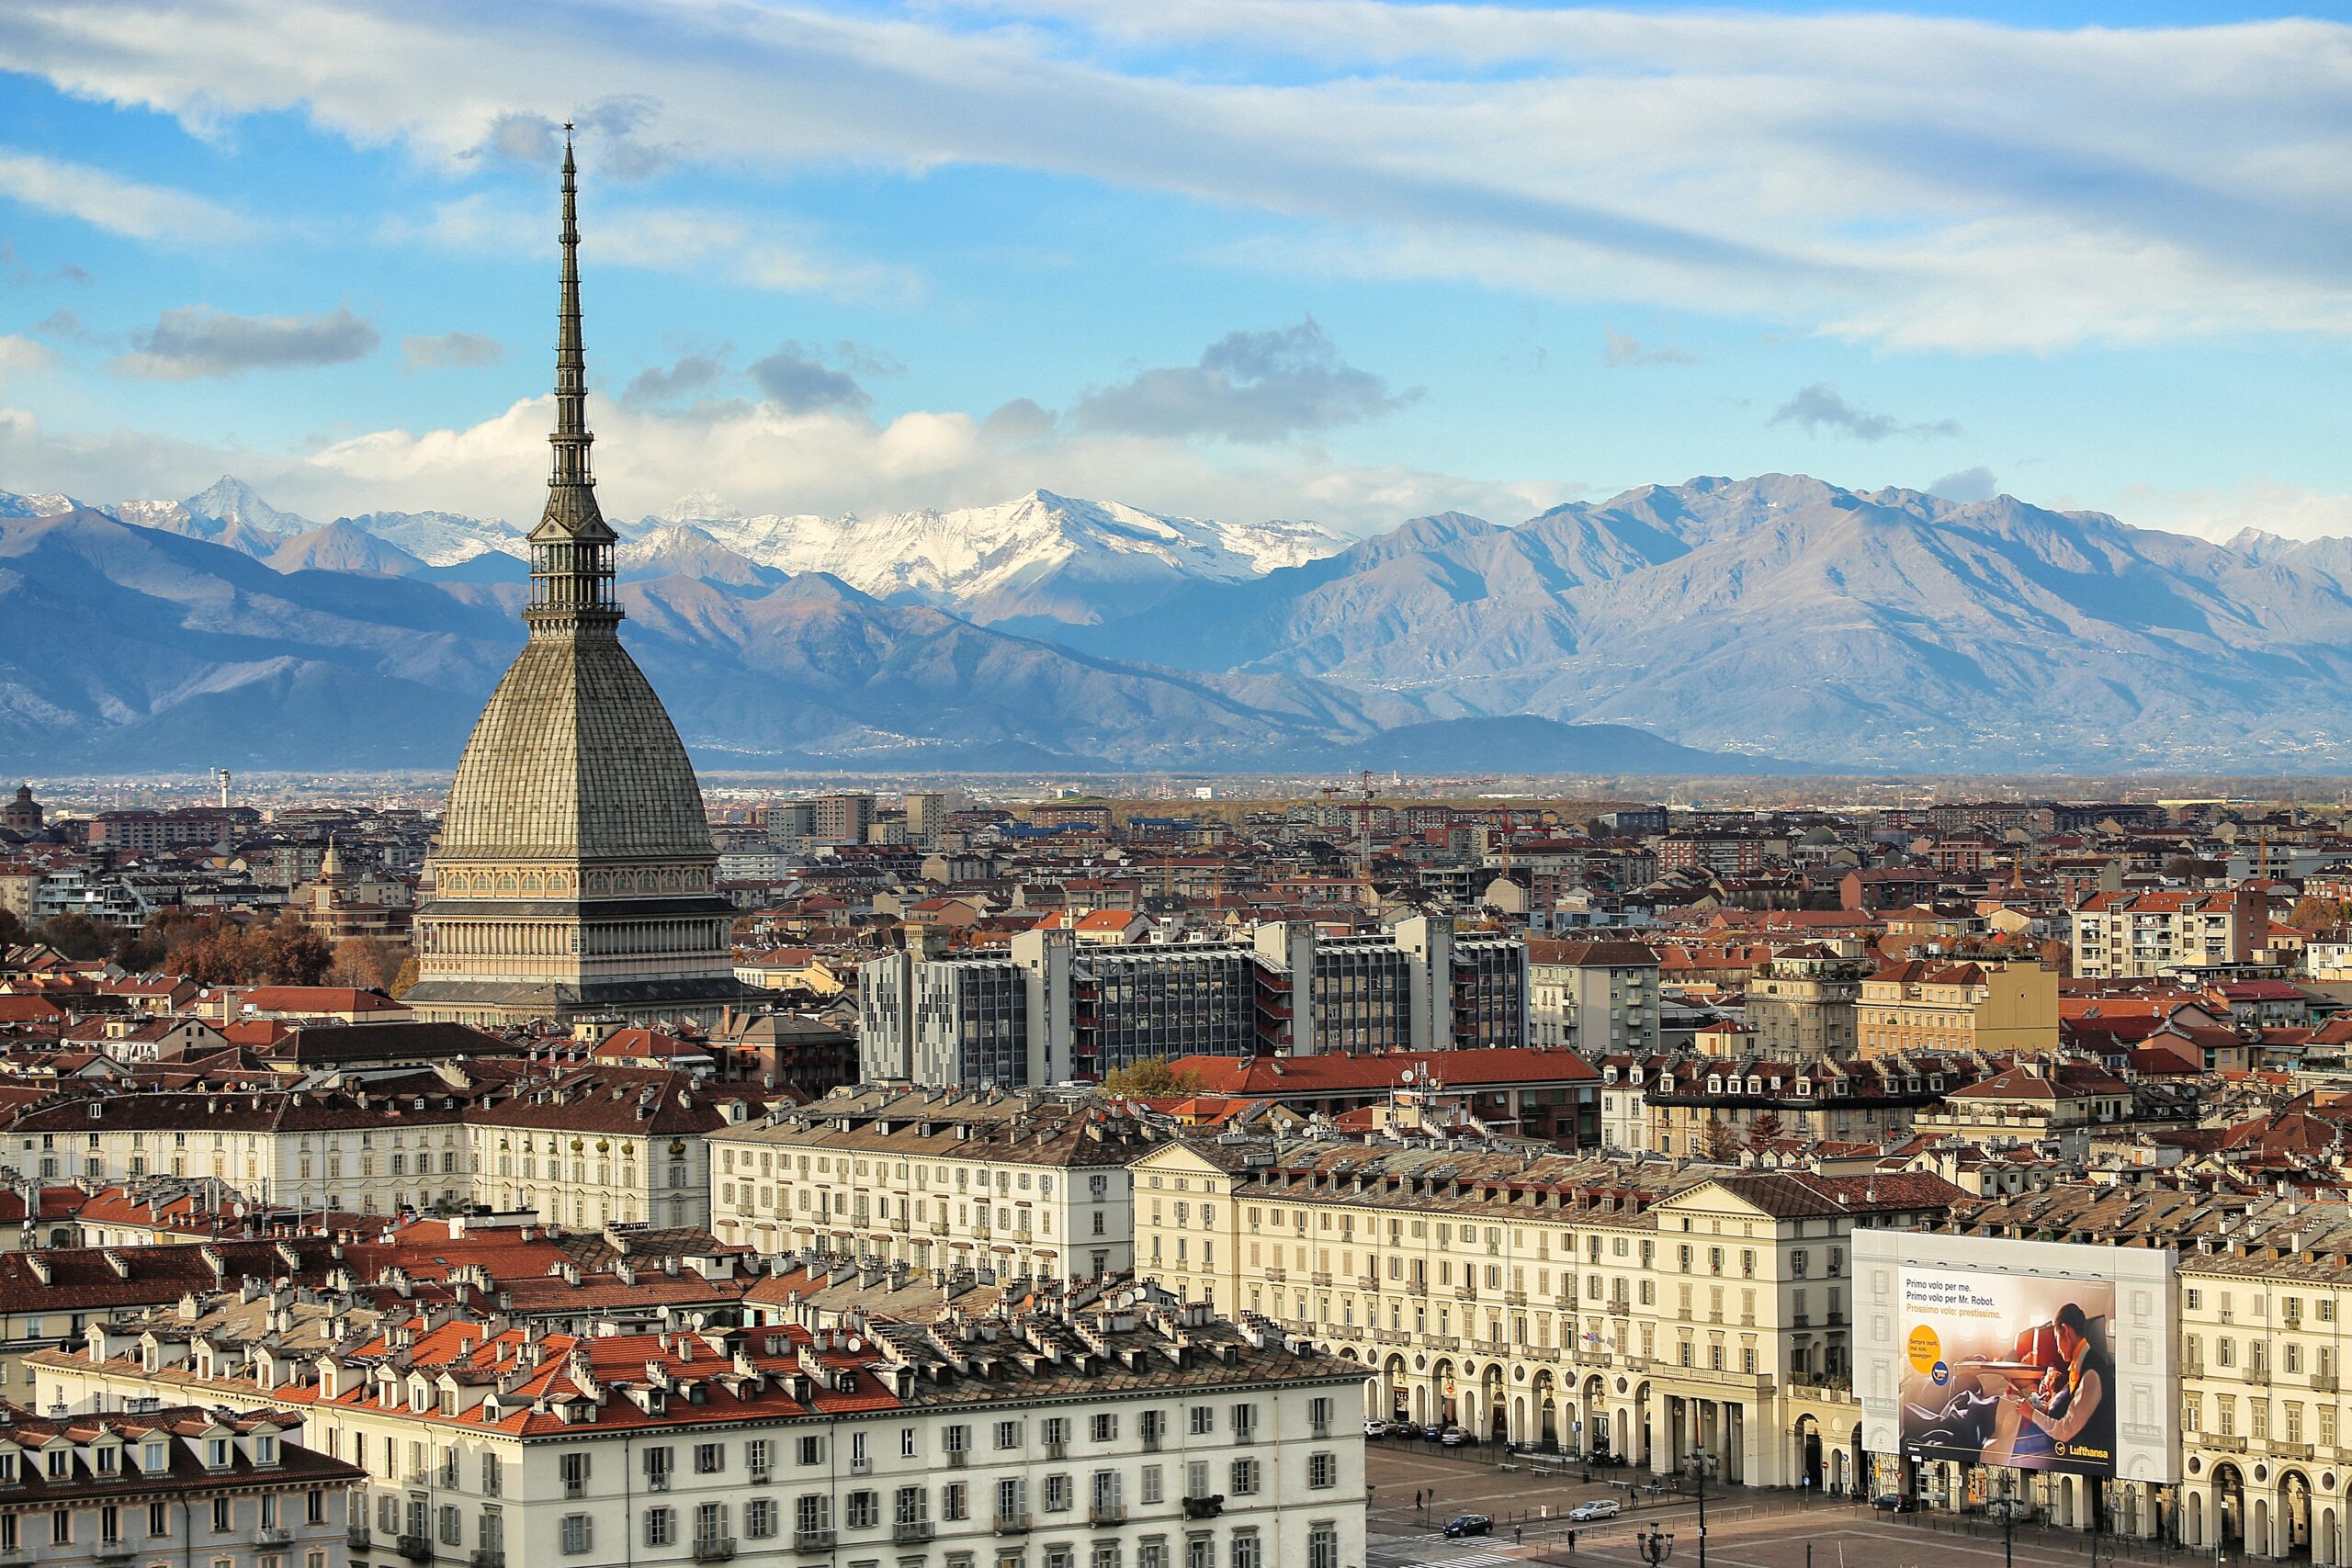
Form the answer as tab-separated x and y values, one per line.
2008	1513
1700	1463
1655	1547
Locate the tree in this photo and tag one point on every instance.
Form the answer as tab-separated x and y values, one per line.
1764	1129
366	963
2319	915
1151	1078
76	936
2059	956
1718	1145
294	954
12	930
406	978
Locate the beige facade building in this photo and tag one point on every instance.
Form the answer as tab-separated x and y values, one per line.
1925	1005
1646	1310
575	875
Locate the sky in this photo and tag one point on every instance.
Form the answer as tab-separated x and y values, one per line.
1329	259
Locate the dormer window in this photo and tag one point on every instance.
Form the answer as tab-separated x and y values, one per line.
216	1453
8	1468
156	1458
265	1449
61	1463
108	1457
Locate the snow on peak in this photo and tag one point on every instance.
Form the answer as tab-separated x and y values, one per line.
1041	554
233	501
695	506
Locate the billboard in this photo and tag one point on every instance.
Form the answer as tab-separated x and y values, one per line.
2007	1369
2027	1355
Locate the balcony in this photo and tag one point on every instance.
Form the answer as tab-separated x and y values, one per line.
959	1458
415	1548
909	1532
490	1557
758	1476
114	1549
1322	1278
2324	1382
1367	1281
1013	1523
937	1228
2257	1375
1277	1273
1515	1298
813	1540
1058	1451
1107	1514
1204	1507
275	1536
1150	1442
357	1537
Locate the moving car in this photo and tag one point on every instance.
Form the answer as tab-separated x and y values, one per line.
1599	1508
1468	1525
1893	1503
1453	1438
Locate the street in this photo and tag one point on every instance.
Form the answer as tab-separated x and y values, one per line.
1744	1530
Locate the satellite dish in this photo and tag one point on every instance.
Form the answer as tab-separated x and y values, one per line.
855	1344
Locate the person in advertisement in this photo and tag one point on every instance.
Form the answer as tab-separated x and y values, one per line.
2009	1371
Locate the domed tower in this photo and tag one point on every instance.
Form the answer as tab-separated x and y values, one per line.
575	875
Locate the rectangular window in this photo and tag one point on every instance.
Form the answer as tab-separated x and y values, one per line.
661	1526
579	1534
574	1469
759	1519
710	1458
1322	1470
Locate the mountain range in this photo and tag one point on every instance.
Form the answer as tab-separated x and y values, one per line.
1703	628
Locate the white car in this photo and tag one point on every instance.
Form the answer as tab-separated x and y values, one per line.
1375	1428
1599	1508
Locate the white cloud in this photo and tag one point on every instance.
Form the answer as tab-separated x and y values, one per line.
1919	182
762	459
759	251
2222	512
108	201
21	356
450	351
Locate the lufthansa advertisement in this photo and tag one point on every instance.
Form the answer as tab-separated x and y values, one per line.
2007	1370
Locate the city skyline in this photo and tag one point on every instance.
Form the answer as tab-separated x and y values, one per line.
1241	260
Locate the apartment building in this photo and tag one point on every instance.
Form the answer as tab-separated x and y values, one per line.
1803	1003
176	1485
351	1151
1647	1309
1048	1008
1975	1005
605	1146
1120	1434
1712	1107
1592	997
935	1179
2136	935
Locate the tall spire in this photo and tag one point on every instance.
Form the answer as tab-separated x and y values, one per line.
572	550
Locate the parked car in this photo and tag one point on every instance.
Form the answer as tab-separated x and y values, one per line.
1468	1525
1400	1427
1452	1437
1375	1428
1893	1503
1599	1508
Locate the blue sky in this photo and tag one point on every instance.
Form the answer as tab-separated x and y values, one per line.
1344	260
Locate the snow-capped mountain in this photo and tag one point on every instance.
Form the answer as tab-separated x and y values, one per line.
232	499
1043	559
50	505
443	539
